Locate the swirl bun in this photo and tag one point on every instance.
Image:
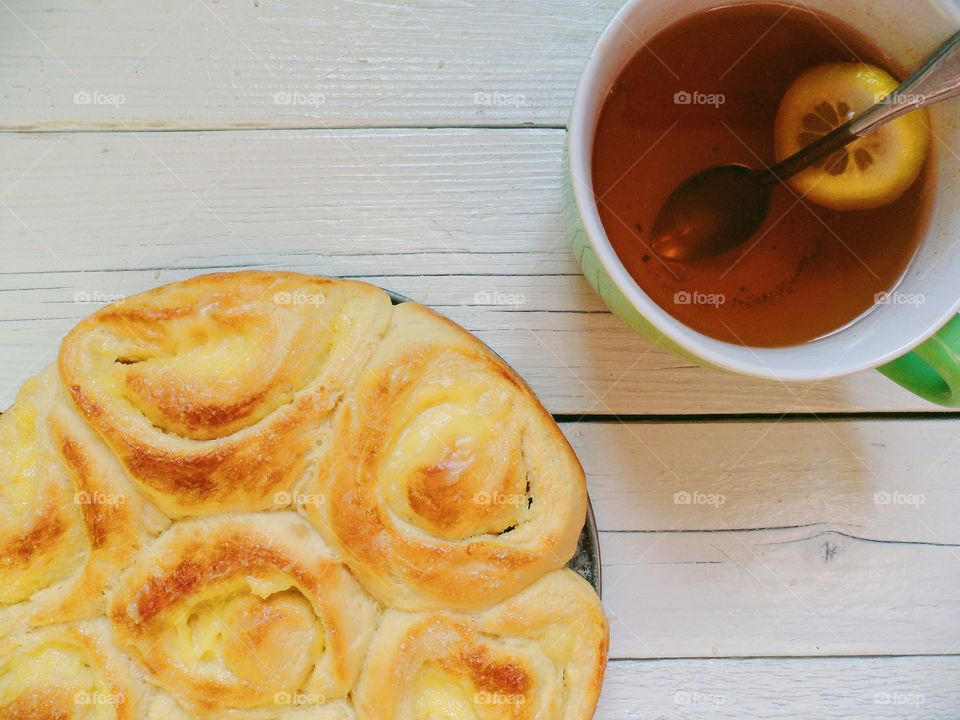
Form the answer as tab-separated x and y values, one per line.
539	655
71	519
450	485
245	616
68	672
212	391
203	501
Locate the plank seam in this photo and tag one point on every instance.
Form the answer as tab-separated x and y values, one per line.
29	130
828	530
654	419
767	658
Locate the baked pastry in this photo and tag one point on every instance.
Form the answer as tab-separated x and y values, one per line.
249	613
213	499
70	517
540	654
69	671
449	485
212	392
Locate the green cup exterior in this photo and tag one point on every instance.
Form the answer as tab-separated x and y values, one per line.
932	371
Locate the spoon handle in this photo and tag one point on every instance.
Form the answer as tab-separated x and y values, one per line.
937	80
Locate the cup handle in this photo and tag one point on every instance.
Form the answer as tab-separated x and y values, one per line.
932	371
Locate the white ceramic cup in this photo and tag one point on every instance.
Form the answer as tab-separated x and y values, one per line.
883	339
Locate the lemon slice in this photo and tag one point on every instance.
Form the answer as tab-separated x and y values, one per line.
869	173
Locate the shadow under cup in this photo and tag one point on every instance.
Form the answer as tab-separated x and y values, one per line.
882	339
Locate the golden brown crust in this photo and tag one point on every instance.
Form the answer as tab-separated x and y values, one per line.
232	614
213	391
448	484
73	519
541	654
39	536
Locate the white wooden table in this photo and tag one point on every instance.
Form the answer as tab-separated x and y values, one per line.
417	144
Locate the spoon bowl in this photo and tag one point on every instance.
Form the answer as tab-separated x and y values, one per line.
710	213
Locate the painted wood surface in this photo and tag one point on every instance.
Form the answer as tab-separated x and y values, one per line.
74	64
926	688
756	566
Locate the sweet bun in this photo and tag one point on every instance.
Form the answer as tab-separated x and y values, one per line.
69	672
269	496
244	616
212	391
539	655
70	517
448	484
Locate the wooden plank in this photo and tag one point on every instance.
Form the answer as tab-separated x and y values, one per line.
447	217
792	592
881	480
201	64
349	202
926	688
